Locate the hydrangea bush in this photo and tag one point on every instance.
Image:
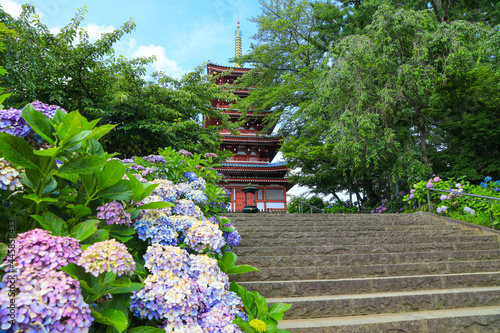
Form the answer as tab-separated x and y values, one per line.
102	244
455	205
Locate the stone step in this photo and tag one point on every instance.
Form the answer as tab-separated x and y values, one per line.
341	272
461	320
351	249
302	288
280	260
256	230
338	240
324	217
388	302
367	233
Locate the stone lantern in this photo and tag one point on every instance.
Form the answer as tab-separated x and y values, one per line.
252	208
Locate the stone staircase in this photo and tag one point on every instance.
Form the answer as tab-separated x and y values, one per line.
373	273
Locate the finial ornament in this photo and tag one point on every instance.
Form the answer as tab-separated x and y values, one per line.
237	43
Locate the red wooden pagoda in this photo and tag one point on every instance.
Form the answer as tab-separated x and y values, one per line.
253	150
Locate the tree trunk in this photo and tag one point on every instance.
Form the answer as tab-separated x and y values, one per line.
370	193
423	137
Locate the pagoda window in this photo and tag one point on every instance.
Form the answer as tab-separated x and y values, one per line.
260	194
275	194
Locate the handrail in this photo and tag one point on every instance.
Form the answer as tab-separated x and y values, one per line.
301	208
466	194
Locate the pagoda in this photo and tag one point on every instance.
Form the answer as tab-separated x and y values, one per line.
253	151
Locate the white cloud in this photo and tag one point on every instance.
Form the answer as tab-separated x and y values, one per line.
11	7
162	63
95	31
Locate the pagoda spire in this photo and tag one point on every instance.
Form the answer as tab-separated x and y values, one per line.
237	42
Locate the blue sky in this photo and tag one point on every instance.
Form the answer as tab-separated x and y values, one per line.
181	34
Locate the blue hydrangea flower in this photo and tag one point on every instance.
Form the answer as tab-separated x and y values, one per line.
190	176
487	179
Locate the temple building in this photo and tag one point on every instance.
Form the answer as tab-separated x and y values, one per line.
253	150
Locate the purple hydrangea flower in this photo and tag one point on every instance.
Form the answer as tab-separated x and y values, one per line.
113	213
210	155
52	299
429	185
185	152
436	179
41	251
154	159
443	197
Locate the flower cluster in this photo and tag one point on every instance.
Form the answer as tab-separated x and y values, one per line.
185	152
190	176
210	155
488	179
107	256
9	176
232	238
382	208
187	208
469	211
12	123
204	235
47	300
113	213
50	302
258	324
154	159
188	292
442	209
43	252
166	190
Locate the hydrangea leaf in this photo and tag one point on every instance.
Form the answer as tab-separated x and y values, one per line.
145	329
52	223
3	251
111	317
17	151
156	205
111	174
240	269
244	326
84	230
122	190
38	122
82	165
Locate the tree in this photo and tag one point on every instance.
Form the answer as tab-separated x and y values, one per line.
68	70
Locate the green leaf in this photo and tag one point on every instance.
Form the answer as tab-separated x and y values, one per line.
58	116
37	199
38	122
111	317
3	251
48	152
111	174
261	303
145	329
99	236
89	181
69	176
229	259
77	139
49	221
137	187
78	273
156	205
84	230
226	229
100	131
240	269
244	325
79	210
50	186
17	151
72	124
120	191
109	277
95	148
276	311
247	298
82	165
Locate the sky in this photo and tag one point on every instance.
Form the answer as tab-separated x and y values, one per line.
182	34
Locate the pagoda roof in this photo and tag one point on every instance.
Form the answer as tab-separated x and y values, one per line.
246	180
223	68
251	138
254	165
